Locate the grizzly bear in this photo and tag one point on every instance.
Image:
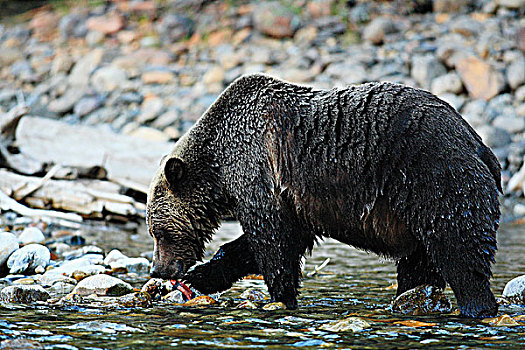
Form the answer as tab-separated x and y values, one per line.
379	166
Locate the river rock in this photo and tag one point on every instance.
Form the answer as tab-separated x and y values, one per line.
82	70
376	31
31	235
247	304
254	295
61	63
73	25
137	299
27	258
23	294
274	306
158	288
516	73
426	68
349	324
174	27
494	137
21	343
114	256
8	244
511	4
514	290
157	77
510	123
67	268
150	109
422	300
102	285
480	78
201	300
66	102
274	19
61	287
109	78
175	296
450	82
87	105
107	24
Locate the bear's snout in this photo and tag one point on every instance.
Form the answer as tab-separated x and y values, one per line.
173	270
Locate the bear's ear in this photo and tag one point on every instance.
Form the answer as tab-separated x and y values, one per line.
174	170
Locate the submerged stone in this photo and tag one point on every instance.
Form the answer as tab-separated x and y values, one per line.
138	299
502	321
23	294
158	288
422	300
349	324
247	304
274	306
253	294
202	300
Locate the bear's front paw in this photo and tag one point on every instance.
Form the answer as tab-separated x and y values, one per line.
206	279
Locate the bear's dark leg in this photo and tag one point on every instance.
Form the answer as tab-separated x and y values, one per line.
233	261
415	270
280	242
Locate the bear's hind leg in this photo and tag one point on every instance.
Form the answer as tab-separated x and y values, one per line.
416	270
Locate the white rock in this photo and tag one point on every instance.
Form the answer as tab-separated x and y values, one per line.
27	258
84	67
516	181
450	82
109	78
136	265
425	69
31	235
509	123
8	244
515	290
113	256
67	268
512	4
516	73
354	324
104	285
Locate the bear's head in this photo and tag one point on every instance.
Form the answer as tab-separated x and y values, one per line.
185	204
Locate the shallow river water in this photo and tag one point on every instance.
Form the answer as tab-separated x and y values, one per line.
353	284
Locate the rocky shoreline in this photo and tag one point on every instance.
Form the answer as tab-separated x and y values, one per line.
150	70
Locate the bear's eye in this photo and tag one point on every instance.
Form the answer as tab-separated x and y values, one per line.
174	170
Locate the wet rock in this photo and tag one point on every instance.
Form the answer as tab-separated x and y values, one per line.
9	56
102	285
254	295
422	300
137	299
24	294
8	244
247	304
90	252
274	306
67	268
103	327
26	259
15	344
66	102
109	78
494	137
175	296
31	235
114	256
480	78
135	265
169	118
426	68
450	82
61	287
349	324
84	271
274	19
516	73
514	290
107	24
501	321
202	300
376	31
158	288
174	27
450	6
